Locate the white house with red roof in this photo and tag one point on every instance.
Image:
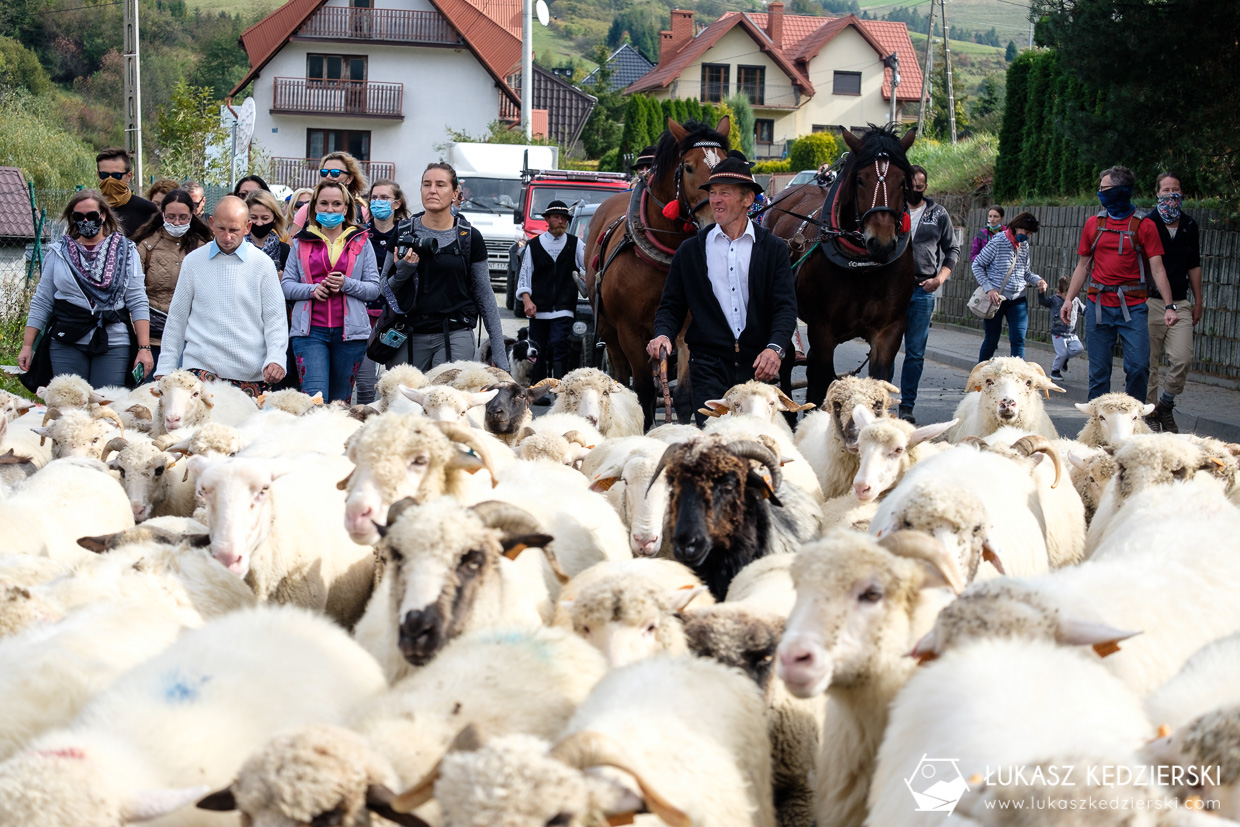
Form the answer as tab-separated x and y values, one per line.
801	74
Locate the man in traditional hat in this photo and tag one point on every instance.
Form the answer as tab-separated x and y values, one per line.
548	291
642	164
735	279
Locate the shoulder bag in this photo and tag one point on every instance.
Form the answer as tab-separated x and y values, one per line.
979	303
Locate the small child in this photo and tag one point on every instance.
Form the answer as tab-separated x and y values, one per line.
1067	344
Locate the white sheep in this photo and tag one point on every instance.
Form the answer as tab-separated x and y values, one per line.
290	400
672	433
443	403
67	499
388	396
567	450
145	471
887	447
275	523
12	406
861	605
1003	391
326	430
502	682
14	467
710	712
753	398
76	433
68	391
563	424
465	375
828	437
183	722
669	574
604	402
623	469
1113	417
186	401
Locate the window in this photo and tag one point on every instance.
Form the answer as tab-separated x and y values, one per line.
335	68
847	83
751	82
714	82
764	131
356	142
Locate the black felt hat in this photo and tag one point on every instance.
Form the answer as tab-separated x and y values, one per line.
733	169
645	159
557	208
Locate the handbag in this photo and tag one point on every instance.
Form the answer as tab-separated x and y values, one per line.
979	303
391	331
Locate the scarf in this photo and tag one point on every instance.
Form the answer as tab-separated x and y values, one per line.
1117	201
101	273
271	246
117	192
1169	207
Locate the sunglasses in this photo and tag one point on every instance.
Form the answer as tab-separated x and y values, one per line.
300	204
89	216
103	176
334	173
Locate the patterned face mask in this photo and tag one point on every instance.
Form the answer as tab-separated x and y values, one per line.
1169	207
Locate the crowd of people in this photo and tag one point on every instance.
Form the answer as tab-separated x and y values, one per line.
267	294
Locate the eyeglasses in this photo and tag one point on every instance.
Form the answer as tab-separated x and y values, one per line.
300	204
177	220
90	216
334	173
103	176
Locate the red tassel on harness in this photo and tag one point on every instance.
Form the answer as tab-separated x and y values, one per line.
689	228
672	210
905	224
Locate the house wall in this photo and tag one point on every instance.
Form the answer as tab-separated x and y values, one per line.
443	87
847	52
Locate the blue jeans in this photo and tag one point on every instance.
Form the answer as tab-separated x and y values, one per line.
916	333
328	364
107	368
1016	311
1134	336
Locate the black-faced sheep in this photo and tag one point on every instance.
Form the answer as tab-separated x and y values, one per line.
508	412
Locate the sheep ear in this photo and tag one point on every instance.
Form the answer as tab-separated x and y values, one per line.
927	649
465	461
198	540
379	801
763	483
413	394
221	801
538	392
155	392
604	483
1087	408
280	467
862	416
480	398
716	407
679	599
513	546
97	543
41	392
153	804
44	433
928	432
24	405
989	555
344	483
139	412
469	739
1076	460
198	464
1103	638
317	398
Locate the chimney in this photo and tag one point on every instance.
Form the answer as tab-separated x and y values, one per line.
665	46
775	25
682	28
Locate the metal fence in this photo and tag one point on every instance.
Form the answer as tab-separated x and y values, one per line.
1216	343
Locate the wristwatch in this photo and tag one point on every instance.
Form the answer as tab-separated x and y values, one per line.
779	351
1171	307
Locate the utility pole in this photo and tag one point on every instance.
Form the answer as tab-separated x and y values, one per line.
926	80
947	67
892	62
527	69
133	91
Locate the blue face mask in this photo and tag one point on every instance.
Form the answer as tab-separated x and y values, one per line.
1021	238
329	220
1117	201
381	209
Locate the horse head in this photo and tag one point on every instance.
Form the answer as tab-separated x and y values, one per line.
683	160
878	178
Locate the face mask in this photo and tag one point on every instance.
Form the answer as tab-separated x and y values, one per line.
994	228
117	192
915	197
176	230
261	230
329	220
1021	238
1169	207
88	228
1117	201
381	209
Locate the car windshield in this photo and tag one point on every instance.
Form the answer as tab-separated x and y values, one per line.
581	223
804	177
543	196
490	194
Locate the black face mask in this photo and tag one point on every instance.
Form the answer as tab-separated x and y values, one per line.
915	197
261	230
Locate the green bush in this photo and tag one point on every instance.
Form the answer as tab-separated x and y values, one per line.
812	151
20	69
742	113
610	162
771	167
963	168
33	139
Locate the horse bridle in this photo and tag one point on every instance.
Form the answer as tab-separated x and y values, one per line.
881	184
681	199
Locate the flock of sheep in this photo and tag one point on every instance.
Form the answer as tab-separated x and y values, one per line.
441	610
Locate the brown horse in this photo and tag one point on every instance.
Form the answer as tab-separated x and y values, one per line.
854	256
632	238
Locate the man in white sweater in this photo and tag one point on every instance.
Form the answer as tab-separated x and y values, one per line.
227	314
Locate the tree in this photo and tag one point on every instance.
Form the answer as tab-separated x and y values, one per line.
812	151
1011	52
742	112
20	69
187	127
603	129
987	109
1007	165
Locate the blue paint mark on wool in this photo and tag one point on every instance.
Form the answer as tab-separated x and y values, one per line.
182	689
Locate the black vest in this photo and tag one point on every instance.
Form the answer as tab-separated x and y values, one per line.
551	284
443	288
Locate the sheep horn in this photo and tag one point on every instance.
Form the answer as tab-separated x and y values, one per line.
790	404
918	545
583	750
1038	444
108	413
468	739
379	801
116	443
972	380
755	450
549	382
658	468
51	415
464	435
508	518
576	437
398	508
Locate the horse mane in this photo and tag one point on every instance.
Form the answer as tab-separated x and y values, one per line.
668	152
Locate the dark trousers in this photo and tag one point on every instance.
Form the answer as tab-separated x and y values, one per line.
552	337
99	369
1016	312
711	376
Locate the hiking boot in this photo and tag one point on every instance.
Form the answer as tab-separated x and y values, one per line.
1163	416
907	415
1057	375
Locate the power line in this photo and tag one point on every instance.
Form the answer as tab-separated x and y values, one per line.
78	8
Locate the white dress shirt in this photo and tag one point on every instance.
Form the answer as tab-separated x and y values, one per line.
727	267
553	247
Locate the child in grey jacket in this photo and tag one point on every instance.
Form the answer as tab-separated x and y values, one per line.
1064	337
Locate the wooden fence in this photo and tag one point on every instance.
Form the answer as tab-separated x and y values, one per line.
1216	343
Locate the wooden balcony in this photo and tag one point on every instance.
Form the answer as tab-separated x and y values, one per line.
359	99
304	172
422	28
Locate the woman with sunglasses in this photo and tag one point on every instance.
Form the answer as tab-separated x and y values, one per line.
342	168
90	303
331	275
294	204
163	242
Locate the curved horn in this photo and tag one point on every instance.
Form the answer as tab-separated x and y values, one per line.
464	435
108	413
917	545
508	518
1038	444
116	443
51	415
752	449
181	447
398	508
791	404
469	739
972	380
662	463
583	750
550	382
576	437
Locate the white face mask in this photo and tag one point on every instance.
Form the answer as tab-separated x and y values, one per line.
176	230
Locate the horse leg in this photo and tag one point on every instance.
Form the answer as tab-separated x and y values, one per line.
819	365
884	345
633	348
785	384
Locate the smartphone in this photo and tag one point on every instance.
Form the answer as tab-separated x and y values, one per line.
139	373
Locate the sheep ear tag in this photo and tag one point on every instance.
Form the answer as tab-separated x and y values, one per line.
621	818
768	490
513	546
1108	647
604	483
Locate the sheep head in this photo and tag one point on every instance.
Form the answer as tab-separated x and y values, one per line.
13	406
884	444
587	393
954	516
237	494
737	636
509	409
1010	388
756	399
1113	417
141	466
856	597
631	619
642	498
69	392
845	394
441	403
77	433
1146	460
184	401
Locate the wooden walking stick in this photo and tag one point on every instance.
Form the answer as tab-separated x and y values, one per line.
659	369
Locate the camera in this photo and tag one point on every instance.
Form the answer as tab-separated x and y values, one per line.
420	246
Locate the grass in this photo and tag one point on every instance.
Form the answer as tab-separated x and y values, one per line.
11	332
562	46
961	169
1010	21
